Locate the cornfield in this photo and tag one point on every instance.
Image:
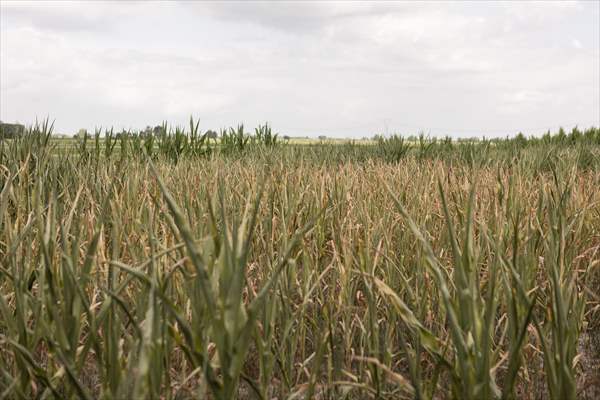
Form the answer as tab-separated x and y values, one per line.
180	266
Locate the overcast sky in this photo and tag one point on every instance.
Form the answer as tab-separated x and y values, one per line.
341	69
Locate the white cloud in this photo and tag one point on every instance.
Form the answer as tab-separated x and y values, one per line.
338	68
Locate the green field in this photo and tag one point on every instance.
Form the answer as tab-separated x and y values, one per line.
179	267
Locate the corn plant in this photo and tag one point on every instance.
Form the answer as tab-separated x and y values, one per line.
171	266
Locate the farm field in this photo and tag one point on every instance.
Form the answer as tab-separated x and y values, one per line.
177	266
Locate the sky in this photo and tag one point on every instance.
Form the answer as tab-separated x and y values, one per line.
340	69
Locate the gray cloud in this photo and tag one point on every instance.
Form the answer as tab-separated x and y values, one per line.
59	17
298	17
335	68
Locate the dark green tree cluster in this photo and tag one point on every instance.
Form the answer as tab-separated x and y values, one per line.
11	131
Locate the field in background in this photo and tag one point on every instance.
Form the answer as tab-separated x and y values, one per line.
183	266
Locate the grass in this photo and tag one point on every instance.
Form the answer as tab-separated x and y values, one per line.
181	266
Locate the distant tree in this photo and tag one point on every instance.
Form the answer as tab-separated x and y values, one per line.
322	137
210	134
147	132
157	130
286	137
11	131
